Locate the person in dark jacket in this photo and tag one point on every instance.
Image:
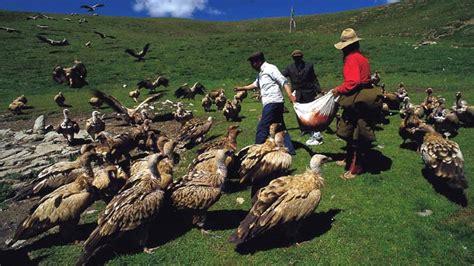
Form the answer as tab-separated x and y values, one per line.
360	102
305	85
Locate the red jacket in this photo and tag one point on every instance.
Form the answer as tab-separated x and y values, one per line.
356	72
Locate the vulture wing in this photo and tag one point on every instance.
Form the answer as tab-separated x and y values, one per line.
111	101
131	52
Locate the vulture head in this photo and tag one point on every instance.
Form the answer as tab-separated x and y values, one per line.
317	160
66	113
59	75
429	91
87	148
162	81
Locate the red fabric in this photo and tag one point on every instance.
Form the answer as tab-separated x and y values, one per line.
356	72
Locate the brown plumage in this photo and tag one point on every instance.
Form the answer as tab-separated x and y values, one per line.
130	115
229	141
391	99
59	99
16	107
185	92
152	85
95	125
140	56
206	103
221	100
75	76
241	95
61	207
285	200
406	129
103	35
231	111
130	211
213	94
107	183
181	115
193	133
429	102
443	157
58	174
122	144
22	98
445	121
95	102
200	189
68	127
464	112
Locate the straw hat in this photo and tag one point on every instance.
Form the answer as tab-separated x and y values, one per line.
296	53
348	36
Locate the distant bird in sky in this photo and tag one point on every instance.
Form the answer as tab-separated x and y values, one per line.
52	42
140	55
103	36
9	30
92	8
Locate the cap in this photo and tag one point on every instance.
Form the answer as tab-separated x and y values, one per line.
255	56
296	53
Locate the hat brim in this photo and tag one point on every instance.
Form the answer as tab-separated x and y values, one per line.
342	45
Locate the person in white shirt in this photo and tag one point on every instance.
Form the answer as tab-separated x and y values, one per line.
269	81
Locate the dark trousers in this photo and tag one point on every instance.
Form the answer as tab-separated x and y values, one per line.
272	113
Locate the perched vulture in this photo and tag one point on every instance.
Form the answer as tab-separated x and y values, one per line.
95	102
16	107
229	141
193	132
130	115
200	189
221	100
181	115
240	95
185	92
134	94
95	125
61	207
59	99
429	102
140	55
130	211
231	111
74	76
407	126
284	202
206	103
213	94
443	157
68	127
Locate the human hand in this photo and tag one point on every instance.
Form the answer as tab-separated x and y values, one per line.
335	92
237	88
292	98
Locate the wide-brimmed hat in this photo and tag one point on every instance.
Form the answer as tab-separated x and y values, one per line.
296	53
348	37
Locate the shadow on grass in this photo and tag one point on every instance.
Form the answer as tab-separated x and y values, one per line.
298	145
440	186
313	226
376	162
20	256
413	146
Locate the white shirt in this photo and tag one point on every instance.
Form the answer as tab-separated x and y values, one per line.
270	81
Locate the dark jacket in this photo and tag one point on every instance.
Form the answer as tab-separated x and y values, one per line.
302	77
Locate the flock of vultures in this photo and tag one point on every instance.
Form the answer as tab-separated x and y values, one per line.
133	172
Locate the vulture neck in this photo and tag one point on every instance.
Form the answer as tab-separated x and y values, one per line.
153	167
221	168
86	163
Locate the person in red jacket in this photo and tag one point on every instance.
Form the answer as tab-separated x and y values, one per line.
360	103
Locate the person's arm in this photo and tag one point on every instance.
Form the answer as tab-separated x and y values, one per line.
283	82
287	88
351	78
249	87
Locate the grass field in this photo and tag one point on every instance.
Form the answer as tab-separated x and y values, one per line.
369	220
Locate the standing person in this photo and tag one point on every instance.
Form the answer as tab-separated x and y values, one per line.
270	81
360	102
305	85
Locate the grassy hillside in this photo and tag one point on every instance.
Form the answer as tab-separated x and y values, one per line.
371	219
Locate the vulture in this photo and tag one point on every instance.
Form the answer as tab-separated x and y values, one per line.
140	55
59	174
264	162
52	42
206	103
221	100
33	17
75	76
429	102
47	17
405	106
22	98
193	132
130	212
152	85
408	124
286	201
134	94
401	91
391	99
95	102
464	112
68	127
445	121
9	30
240	95
197	191
61	207
213	94
443	157
59	99
82	20
95	125
375	78
103	36
131	116
43	27
92	8
181	115
16	107
88	44
122	144
229	141
185	92
231	110
106	182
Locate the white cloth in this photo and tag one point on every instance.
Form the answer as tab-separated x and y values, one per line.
318	114
270	81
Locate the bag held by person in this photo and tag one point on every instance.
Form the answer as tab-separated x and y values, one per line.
318	114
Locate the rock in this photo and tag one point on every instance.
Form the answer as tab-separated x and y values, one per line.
82	134
240	200
29	131
45	148
19	136
53	137
6	132
39	125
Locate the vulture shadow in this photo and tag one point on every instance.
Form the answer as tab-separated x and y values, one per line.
163	117
413	146
334	156
298	145
224	219
81	141
61	51
213	137
65	105
440	186
20	256
376	162
233	185
313	226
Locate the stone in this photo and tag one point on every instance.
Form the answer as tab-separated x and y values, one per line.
52	136
38	127
82	134
6	132
46	148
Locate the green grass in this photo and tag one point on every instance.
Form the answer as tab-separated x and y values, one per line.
377	221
